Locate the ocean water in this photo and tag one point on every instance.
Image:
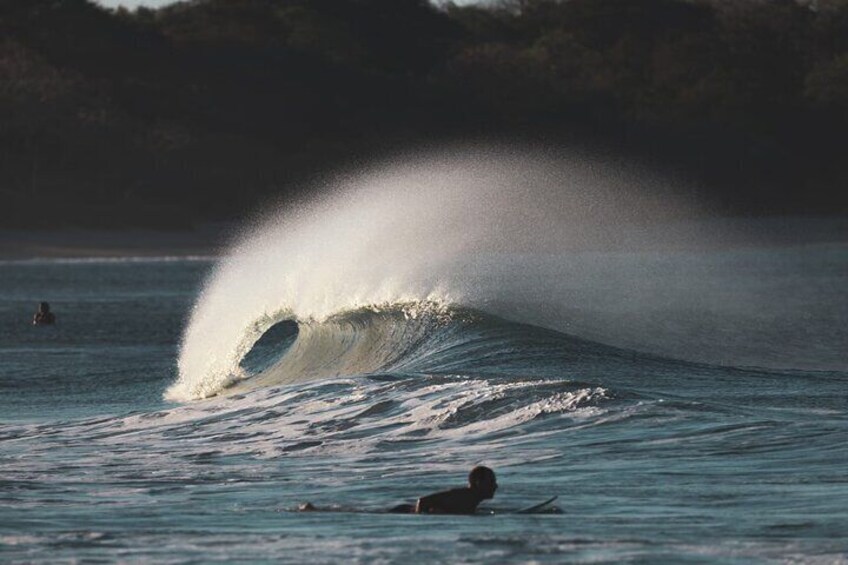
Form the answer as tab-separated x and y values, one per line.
685	404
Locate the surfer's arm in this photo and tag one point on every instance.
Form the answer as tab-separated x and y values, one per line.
438	503
425	505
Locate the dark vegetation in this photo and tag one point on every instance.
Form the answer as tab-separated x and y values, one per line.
201	110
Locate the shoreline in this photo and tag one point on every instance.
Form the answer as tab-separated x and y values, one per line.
204	242
210	241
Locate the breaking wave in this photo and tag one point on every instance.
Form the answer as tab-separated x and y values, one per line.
400	339
429	240
401	263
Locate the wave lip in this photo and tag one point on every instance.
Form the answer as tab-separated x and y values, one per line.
368	339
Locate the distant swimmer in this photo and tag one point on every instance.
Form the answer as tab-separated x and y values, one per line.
44	317
481	486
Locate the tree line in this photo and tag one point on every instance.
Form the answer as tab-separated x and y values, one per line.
202	109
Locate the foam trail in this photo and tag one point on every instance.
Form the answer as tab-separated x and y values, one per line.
451	228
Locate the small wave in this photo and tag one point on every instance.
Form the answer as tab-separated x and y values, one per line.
353	418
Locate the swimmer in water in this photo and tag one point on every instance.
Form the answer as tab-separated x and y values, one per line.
44	317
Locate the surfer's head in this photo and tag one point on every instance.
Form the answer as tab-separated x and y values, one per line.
43	307
482	480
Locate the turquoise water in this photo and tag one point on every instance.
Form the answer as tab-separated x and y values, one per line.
654	458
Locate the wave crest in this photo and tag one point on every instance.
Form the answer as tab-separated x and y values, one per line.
405	338
368	339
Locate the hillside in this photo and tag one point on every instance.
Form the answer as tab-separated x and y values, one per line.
201	110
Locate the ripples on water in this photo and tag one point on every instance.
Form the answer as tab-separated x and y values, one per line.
653	459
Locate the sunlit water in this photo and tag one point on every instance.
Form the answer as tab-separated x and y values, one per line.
653	458
681	384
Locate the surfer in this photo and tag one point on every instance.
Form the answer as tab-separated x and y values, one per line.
482	485
44	317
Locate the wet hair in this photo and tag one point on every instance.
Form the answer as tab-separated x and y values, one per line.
479	474
43	307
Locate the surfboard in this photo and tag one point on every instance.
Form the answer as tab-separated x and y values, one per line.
410	509
537	507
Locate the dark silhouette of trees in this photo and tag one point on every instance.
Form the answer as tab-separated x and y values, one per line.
204	108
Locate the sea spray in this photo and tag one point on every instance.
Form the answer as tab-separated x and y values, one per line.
464	227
